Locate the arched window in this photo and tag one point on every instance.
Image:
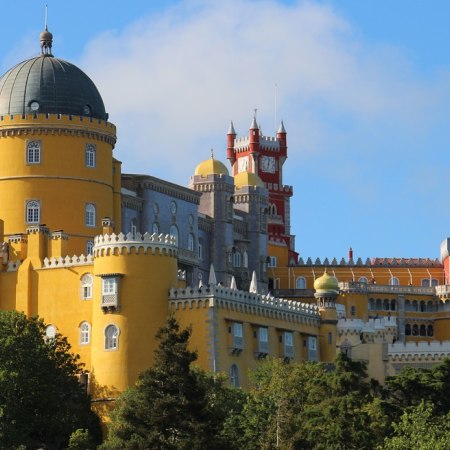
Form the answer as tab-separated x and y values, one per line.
371	304
425	282
430	330
300	283
430	306
408	330
423	330
408	305
155	228
90	155
422	306
111	337
33	212
414	306
393	305
89	247
50	332
90	215
378	304
353	310
415	330
85	333
386	304
191	242
33	152
174	232
86	286
394	281
234	376
237	259
363	279
245	259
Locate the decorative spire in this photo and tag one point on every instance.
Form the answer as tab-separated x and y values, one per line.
253	284
233	284
254	125
212	280
231	129
281	128
212	153
46	38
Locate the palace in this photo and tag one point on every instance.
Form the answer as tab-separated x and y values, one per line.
103	257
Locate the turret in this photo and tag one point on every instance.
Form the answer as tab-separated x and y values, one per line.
231	136
327	290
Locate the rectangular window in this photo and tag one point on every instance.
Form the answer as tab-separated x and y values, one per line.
288	344
330	338
312	348
238	336
272	261
90	215
33	152
109	286
263	340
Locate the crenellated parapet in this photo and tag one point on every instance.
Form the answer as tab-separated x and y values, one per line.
57	124
374	262
244	302
372	326
418	351
268	143
68	261
109	244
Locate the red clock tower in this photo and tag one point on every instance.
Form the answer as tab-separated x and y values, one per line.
265	156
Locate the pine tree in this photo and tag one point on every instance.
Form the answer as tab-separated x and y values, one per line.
170	406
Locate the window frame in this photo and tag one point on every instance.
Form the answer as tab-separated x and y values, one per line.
86	288
90	156
111	343
90	215
31	207
238	335
85	334
31	153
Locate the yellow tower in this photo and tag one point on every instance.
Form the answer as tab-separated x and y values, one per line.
56	146
327	290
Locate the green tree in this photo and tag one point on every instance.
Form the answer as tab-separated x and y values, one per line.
41	400
172	405
419	428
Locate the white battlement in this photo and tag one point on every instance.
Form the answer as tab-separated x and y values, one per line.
106	243
372	326
244	297
400	350
68	261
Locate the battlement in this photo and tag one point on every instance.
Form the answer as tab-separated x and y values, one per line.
372	326
270	143
68	261
59	124
211	295
419	350
107	244
374	262
276	187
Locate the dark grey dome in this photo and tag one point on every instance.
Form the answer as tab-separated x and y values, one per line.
49	85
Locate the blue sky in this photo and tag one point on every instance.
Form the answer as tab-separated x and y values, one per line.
363	88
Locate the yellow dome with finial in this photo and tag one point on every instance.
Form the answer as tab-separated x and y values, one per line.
326	283
247	179
211	166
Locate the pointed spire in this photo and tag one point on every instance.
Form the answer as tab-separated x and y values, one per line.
212	276
233	284
200	283
231	129
281	128
212	153
254	284
46	38
254	125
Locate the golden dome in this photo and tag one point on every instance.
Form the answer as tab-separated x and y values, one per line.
326	283
211	166
247	179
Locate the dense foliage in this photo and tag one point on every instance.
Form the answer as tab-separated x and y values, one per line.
308	406
41	400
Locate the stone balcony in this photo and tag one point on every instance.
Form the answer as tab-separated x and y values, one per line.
358	287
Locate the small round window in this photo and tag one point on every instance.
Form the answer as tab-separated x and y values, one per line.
34	105
86	110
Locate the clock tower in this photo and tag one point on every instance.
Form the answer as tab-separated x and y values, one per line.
265	156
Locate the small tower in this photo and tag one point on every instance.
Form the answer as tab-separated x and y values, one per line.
327	290
231	136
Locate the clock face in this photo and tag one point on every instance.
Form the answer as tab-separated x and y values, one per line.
268	164
173	207
243	164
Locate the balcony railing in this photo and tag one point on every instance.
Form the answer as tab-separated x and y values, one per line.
355	286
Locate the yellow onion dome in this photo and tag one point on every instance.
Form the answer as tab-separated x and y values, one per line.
247	179
326	283
211	166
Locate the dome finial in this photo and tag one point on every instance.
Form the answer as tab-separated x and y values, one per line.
212	153
46	38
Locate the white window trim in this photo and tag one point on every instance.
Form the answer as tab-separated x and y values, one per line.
90	157
84	333
87	282
116	347
28	206
33	160
109	285
90	217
